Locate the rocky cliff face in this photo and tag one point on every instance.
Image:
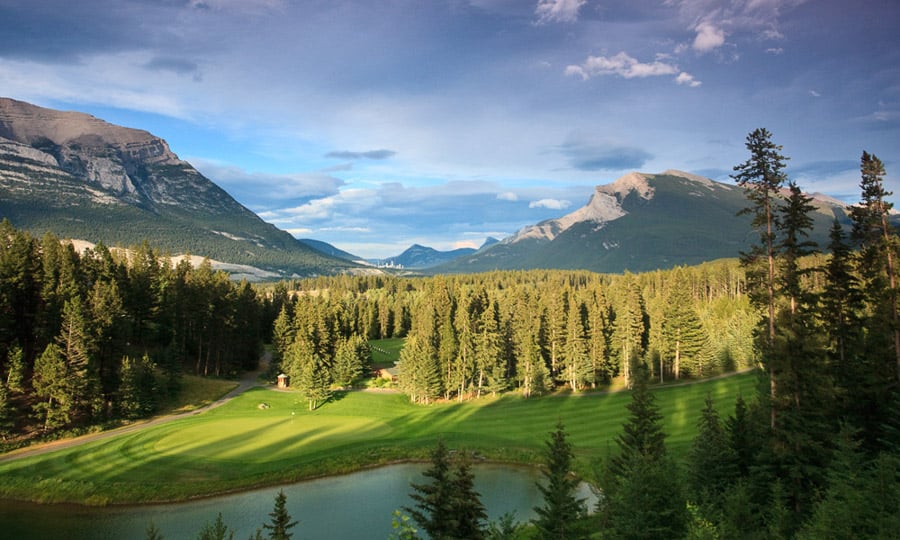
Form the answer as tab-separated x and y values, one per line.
80	177
115	164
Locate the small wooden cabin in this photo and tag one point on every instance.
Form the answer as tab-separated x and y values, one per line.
283	381
389	373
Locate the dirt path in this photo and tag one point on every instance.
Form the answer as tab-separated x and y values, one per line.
248	381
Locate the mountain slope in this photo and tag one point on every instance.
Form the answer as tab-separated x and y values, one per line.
639	222
80	177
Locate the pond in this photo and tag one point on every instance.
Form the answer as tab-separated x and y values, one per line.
353	506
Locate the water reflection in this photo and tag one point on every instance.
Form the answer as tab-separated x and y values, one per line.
354	506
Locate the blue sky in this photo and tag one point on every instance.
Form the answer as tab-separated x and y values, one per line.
376	125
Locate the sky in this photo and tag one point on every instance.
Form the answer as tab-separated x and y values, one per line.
374	125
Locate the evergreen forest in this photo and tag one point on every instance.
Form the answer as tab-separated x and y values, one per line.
88	339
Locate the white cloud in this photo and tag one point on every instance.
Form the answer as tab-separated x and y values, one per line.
688	79
627	67
813	93
709	37
622	65
552	204
507	196
549	11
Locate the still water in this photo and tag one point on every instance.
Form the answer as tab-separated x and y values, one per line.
350	507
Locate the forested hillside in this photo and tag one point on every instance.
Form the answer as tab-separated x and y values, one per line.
88	338
529	331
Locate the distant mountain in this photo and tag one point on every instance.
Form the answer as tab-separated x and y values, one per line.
420	257
80	177
638	223
330	250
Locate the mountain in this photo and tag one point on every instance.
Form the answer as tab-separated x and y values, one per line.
331	251
638	223
419	257
80	177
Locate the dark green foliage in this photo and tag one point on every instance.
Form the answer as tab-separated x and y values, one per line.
216	530
711	466
71	318
642	437
447	507
280	520
682	332
434	500
862	498
559	516
645	492
468	512
153	533
137	388
7	414
505	528
648	503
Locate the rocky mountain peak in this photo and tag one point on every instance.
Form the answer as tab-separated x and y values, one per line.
39	127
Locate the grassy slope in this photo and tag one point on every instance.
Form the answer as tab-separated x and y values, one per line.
241	445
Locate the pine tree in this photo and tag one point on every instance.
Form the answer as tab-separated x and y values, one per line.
216	530
280	522
876	236
646	497
559	516
153	532
7	413
711	461
642	437
468	512
15	378
434	500
50	382
842	305
575	352
682	330
631	326
762	177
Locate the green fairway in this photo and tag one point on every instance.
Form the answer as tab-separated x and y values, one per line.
241	444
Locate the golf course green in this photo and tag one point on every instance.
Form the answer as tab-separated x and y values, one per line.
268	437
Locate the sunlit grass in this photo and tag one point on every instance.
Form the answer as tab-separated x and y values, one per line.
242	444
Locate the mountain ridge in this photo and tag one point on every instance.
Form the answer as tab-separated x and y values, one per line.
639	222
82	178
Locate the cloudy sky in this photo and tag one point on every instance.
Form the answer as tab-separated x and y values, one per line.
374	125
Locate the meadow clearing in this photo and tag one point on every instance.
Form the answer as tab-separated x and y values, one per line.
268	437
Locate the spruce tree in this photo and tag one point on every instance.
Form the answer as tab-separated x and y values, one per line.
682	330
711	461
7	413
216	530
642	435
762	177
280	520
434	500
876	236
468	512
559	516
646	497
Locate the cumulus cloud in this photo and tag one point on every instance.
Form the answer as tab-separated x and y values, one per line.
507	196
371	154
713	20
622	65
625	66
686	78
548	11
709	37
551	204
